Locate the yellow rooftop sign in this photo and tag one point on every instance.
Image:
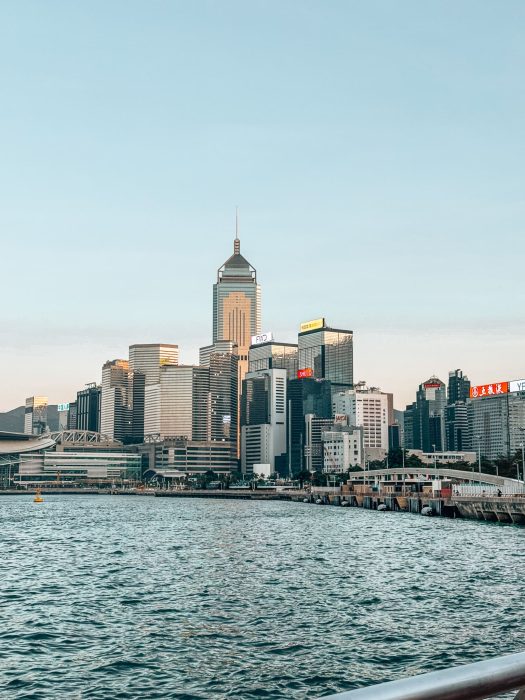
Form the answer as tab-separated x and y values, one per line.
312	325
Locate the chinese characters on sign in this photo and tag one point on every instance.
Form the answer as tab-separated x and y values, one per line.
476	392
306	372
312	325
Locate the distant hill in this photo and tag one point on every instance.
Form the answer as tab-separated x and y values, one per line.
13	420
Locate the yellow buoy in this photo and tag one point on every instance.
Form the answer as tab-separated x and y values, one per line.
38	497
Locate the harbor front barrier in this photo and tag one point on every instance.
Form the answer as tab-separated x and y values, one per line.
477	681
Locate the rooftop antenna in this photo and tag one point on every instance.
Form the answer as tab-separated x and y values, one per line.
236	243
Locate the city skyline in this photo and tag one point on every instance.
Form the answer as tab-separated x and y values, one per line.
189	354
378	176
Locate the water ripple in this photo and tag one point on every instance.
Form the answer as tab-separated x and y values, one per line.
106	598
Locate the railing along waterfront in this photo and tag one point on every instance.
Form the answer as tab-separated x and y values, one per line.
477	681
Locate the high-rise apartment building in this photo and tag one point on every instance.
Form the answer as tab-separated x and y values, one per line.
273	355
367	408
115	413
327	353
35	416
264	420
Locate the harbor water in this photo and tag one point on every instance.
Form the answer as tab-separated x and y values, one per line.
137	597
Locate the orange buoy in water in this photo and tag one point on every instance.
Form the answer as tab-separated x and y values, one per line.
38	497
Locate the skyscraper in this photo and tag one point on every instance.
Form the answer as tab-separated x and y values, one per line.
148	358
305	396
115	415
456	418
88	408
237	304
263	420
458	386
425	419
145	363
222	360
35	416
177	407
328	353
273	355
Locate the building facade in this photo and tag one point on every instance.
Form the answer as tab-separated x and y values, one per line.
35	416
424	420
115	414
89	402
305	396
272	355
264	420
327	353
366	408
237	305
497	424
178	406
343	448
313	442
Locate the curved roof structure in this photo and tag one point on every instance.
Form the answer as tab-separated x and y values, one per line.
15	443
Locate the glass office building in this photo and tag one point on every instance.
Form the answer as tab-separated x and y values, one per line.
329	354
274	355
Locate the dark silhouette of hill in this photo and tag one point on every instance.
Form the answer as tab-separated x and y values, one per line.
13	420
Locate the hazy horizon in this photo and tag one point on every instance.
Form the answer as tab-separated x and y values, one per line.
375	152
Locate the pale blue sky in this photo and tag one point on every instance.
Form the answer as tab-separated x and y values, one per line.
375	149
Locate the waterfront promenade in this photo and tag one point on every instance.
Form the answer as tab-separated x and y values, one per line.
505	508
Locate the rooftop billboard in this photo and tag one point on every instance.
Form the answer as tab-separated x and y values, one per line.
477	392
262	338
517	385
312	325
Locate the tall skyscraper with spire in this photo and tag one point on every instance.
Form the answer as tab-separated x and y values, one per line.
237	304
236	316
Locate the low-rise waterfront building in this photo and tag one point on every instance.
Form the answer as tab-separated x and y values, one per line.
185	456
343	448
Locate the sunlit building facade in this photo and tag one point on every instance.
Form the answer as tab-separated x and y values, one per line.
35	416
329	354
115	414
237	308
273	355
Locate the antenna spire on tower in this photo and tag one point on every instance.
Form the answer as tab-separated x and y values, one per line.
237	242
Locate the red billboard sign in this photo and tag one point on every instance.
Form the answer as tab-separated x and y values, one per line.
432	385
476	392
306	372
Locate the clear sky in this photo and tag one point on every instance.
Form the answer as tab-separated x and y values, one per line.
375	150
